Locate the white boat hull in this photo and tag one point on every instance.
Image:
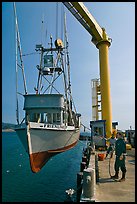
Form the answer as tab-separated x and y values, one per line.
42	143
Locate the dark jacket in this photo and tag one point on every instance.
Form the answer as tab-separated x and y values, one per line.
120	147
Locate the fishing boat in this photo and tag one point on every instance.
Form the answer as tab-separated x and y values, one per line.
51	124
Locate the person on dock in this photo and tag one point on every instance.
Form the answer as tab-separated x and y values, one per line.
120	152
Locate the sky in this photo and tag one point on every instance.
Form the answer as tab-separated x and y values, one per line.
118	19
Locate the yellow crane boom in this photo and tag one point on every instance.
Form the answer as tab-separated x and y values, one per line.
102	42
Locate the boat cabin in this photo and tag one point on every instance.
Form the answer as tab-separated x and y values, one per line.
45	108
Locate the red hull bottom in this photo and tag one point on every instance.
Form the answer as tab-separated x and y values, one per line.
39	159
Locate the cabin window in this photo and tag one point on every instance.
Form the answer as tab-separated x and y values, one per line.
48	61
34	117
98	131
54	117
58	117
49	118
42	117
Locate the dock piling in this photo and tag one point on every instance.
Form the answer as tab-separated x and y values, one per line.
79	185
88	183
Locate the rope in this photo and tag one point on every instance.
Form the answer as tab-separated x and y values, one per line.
32	53
85	127
109	167
111	155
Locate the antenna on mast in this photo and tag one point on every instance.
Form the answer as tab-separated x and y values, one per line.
42	29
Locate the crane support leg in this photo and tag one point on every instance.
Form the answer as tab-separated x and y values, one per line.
105	85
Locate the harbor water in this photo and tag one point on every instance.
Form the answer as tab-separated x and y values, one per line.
19	184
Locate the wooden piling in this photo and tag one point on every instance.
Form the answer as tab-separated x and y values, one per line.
82	166
79	185
96	169
84	159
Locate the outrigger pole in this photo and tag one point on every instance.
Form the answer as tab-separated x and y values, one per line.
18	47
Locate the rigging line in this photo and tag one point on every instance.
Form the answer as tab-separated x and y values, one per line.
56	20
19	47
67	55
54	73
42	28
40	79
42	41
46	33
50	84
66	92
32	53
22	120
40	70
40	83
20	93
65	84
69	137
73	103
46	26
85	127
62	17
16	69
74	137
65	61
64	74
52	79
72	100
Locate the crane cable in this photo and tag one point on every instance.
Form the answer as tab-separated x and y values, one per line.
85	127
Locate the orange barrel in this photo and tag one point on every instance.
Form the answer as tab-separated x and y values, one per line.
101	156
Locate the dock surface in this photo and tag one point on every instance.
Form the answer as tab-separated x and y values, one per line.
108	190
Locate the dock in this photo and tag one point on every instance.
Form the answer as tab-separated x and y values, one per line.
106	189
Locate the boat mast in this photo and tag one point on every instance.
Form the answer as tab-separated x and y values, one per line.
40	70
16	60
18	47
68	64
69	92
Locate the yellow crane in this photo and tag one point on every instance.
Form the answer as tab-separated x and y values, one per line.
101	40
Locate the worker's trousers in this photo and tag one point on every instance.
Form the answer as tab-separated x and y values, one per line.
120	164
